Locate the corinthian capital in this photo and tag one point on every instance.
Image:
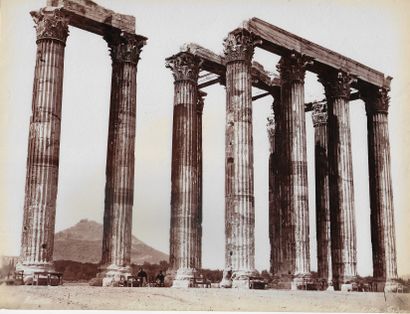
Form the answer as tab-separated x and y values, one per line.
292	67
319	114
336	84
51	23
184	66
125	47
376	99
239	45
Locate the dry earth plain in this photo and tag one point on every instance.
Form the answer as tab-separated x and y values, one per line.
83	297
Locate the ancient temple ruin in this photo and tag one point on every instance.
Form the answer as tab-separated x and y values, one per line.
52	26
195	68
343	79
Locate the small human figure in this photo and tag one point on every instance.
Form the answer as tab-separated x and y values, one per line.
122	282
160	279
142	277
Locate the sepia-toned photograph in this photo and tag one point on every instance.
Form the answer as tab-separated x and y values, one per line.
205	155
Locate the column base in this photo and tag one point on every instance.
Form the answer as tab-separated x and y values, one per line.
391	285
383	285
114	275
300	281
226	281
184	278
348	284
241	278
29	269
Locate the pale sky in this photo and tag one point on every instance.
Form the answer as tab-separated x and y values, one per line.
372	32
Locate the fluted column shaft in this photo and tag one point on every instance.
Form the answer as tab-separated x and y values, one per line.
272	211
229	186
293	169
184	237
343	233
44	143
381	194
200	106
119	188
239	51
275	217
323	228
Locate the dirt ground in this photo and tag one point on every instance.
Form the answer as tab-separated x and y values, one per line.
83	297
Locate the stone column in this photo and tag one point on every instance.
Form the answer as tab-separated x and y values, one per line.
277	164
229	194
343	233
119	188
270	126
239	158
184	174
275	218
293	171
324	251
199	110
381	194
37	239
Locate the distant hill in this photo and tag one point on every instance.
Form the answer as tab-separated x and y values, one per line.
83	243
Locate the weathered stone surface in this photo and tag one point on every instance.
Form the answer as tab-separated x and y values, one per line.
88	15
343	228
293	170
215	63
381	192
44	139
275	213
185	196
44	145
119	188
323	227
239	198
198	224
277	40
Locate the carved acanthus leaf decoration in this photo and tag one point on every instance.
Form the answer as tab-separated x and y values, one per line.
292	68
184	66
376	98
125	47
51	23
336	84
239	45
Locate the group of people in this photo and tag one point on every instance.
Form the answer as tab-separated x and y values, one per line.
142	278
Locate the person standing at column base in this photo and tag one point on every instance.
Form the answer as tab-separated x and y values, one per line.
330	286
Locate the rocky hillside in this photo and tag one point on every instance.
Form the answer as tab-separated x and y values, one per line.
83	242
